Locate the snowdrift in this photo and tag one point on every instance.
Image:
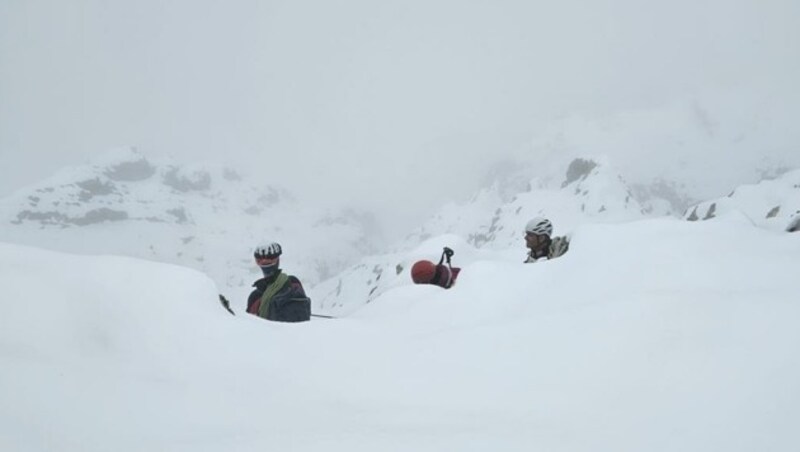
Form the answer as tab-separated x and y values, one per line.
652	335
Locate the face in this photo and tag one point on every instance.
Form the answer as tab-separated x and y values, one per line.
266	261
534	241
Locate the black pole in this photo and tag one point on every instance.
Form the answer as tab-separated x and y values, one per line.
226	304
323	316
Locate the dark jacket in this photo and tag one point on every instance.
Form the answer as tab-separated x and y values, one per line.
555	248
290	303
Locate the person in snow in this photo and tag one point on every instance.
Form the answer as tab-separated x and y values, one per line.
426	272
277	296
538	239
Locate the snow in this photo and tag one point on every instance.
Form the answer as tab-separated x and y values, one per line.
769	204
598	194
794	224
647	335
204	217
705	144
490	226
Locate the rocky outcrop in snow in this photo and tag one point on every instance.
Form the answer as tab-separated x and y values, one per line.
590	190
492	224
770	204
203	217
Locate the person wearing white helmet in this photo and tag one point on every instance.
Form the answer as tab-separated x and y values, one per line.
539	240
277	296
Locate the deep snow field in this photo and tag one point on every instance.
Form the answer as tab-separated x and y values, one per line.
653	335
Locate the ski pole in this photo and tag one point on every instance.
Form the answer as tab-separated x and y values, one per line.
323	316
226	304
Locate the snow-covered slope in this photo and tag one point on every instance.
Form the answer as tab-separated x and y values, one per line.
589	191
373	276
491	225
650	335
203	217
772	204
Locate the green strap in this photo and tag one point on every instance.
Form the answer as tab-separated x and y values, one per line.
269	293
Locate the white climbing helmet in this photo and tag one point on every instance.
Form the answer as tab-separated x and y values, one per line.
540	226
270	250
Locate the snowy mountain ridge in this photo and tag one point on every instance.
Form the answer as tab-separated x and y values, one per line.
209	218
202	217
491	225
773	204
123	185
590	190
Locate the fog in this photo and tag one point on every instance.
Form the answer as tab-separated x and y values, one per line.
398	106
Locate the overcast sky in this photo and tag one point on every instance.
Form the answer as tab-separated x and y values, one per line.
368	100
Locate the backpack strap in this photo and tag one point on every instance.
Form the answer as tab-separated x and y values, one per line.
449	281
447	253
269	293
558	247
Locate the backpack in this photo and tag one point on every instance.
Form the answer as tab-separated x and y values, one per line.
282	308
